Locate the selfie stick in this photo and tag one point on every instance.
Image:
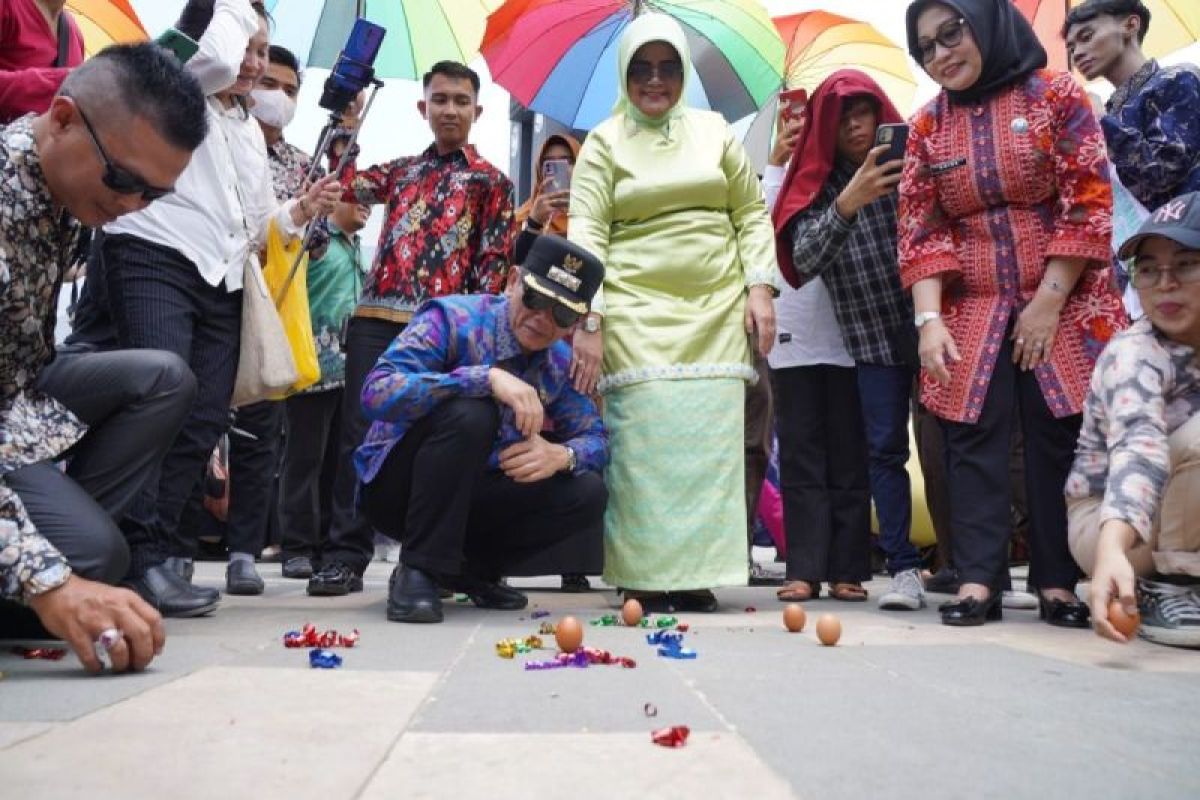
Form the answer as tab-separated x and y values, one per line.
326	138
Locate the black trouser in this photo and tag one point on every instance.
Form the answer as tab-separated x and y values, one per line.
759	425
931	451
978	463
823	473
253	465
310	464
351	538
156	298
454	516
133	403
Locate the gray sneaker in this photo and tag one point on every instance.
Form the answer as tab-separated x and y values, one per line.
906	592
1170	613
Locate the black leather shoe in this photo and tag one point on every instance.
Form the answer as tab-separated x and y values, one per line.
701	601
183	567
242	578
969	612
574	583
1064	614
944	581
162	588
651	602
298	567
413	596
493	594
334	580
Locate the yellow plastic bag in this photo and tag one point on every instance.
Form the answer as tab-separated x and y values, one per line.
293	305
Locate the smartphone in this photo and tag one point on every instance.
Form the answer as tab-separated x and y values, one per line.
179	43
792	103
558	170
365	40
895	136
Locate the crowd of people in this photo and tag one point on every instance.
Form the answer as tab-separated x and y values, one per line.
587	384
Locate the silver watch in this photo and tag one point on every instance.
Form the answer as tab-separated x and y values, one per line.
926	316
572	459
591	323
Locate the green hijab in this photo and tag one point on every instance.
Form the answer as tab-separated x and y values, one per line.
643	30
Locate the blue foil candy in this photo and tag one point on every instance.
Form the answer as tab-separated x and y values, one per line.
323	659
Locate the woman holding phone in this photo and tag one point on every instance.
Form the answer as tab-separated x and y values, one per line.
1005	219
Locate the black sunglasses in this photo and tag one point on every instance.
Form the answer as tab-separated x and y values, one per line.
563	317
117	178
949	35
666	71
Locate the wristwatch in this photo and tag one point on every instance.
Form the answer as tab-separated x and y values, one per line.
572	459
591	323
926	316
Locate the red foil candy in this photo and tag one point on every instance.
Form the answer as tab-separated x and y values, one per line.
309	637
40	653
674	736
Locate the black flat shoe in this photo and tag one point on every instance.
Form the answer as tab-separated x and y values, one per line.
969	612
161	587
575	583
944	581
701	601
183	567
1064	613
493	594
651	602
242	578
413	596
297	567
334	580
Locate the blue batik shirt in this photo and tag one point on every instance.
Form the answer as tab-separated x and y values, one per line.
1153	132
446	352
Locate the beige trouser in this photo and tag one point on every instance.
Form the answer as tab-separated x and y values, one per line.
1174	546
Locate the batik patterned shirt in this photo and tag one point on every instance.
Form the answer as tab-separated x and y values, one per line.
1153	132
446	352
448	229
335	281
36	242
289	166
1144	388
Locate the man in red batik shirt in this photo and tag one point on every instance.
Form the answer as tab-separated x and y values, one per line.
30	72
448	229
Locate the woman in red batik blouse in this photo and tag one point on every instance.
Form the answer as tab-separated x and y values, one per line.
1005	219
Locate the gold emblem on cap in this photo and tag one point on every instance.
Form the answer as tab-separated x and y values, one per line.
572	263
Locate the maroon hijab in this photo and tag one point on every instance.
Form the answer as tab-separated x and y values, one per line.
816	151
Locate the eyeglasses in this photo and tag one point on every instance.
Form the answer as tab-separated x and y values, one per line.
563	317
948	36
117	178
665	71
1149	278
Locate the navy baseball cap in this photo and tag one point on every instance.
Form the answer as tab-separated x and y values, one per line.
1177	219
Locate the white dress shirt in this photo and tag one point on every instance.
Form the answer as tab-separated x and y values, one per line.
219	213
806	314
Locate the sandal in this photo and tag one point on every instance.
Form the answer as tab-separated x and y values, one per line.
848	592
799	592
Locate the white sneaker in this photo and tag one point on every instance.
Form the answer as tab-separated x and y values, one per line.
907	592
1018	601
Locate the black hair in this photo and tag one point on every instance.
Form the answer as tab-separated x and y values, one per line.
1089	10
277	54
452	69
197	14
142	80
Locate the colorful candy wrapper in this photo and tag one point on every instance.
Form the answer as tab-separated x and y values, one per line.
674	736
40	653
547	629
508	648
309	637
607	621
539	614
649	621
323	659
682	627
581	659
664	637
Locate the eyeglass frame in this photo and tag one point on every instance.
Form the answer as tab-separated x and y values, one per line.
947	37
654	71
120	179
534	300
1193	268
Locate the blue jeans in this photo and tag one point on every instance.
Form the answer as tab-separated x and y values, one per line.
885	394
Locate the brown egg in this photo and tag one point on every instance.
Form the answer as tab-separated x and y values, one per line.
568	634
829	629
1126	624
631	612
794	617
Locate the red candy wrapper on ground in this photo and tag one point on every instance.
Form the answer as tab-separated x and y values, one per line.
309	637
674	736
40	653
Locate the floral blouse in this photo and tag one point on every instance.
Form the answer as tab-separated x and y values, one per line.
36	240
1145	387
990	192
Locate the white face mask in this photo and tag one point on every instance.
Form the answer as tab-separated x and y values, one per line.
273	107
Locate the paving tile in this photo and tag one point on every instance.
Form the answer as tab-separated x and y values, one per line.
13	732
275	732
596	765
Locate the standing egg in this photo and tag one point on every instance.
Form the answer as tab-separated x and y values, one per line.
794	617
631	612
829	629
568	634
1126	624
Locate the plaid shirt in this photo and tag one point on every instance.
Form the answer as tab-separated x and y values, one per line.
857	260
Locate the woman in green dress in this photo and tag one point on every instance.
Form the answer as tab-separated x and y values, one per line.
666	197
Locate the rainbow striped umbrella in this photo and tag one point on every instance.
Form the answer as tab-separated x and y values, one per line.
1174	24
419	32
105	22
559	57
